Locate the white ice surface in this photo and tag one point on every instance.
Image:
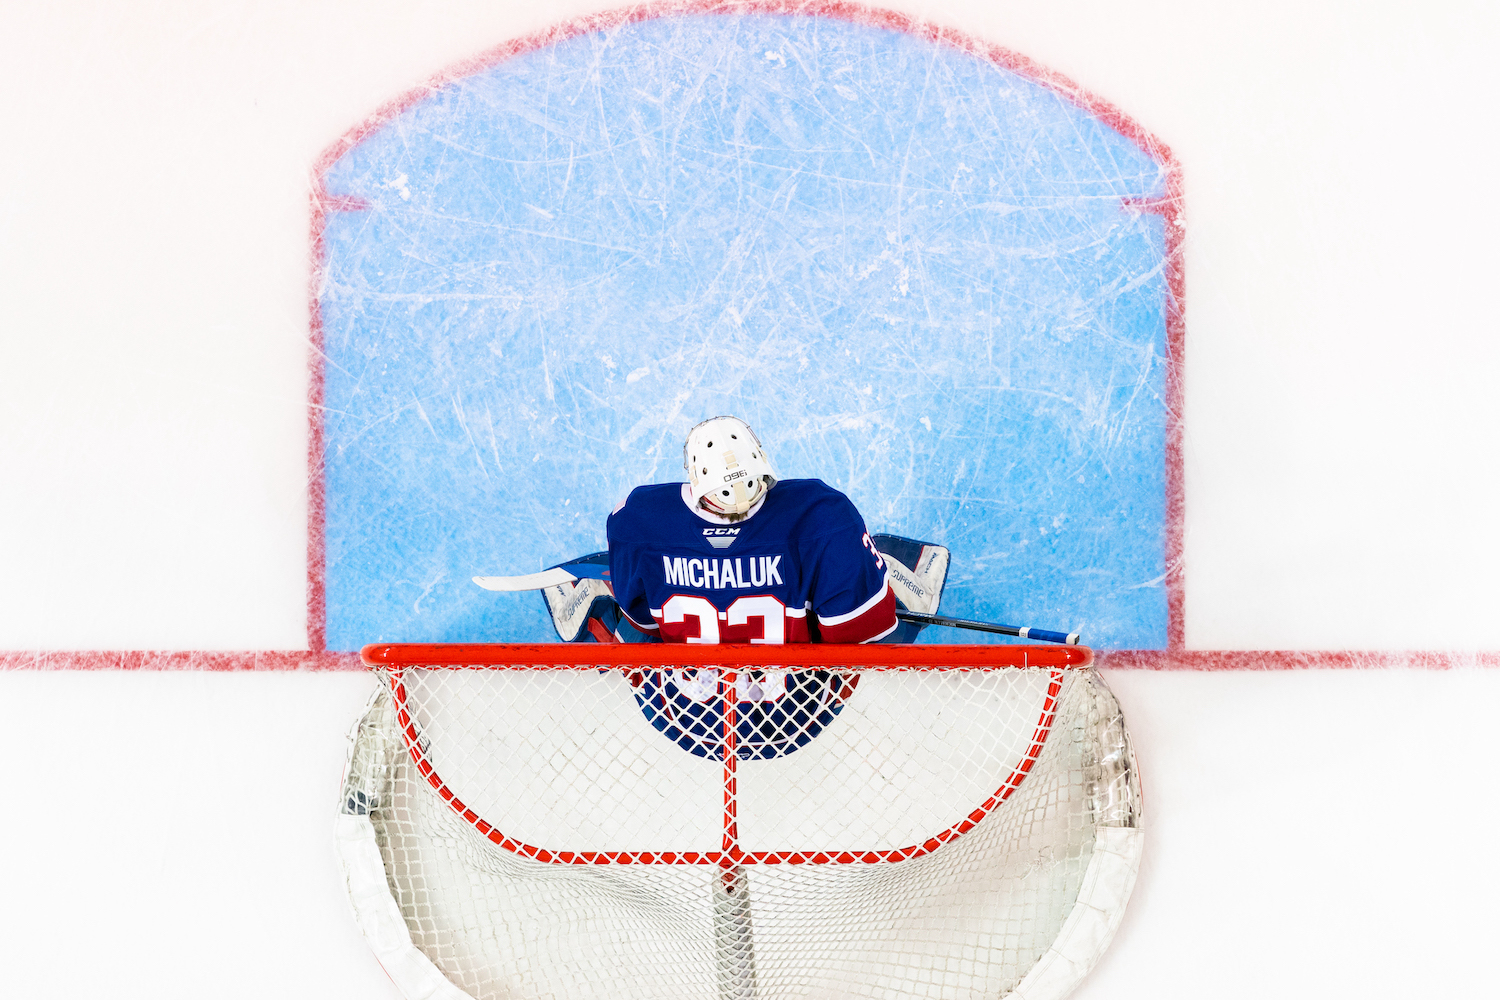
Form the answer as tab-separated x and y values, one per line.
170	835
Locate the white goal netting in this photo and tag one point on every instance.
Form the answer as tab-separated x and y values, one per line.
637	832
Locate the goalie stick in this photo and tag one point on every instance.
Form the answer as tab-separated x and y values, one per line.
594	566
931	563
1023	631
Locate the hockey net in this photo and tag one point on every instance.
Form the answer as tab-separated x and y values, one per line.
649	821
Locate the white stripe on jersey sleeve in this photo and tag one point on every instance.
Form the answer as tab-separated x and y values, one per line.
652	627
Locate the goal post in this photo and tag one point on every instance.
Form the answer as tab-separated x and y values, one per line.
738	821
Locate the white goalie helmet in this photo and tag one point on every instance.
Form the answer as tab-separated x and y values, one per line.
728	471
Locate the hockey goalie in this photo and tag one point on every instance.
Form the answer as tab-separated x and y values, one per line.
736	555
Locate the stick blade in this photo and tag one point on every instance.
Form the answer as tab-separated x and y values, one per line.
594	566
531	581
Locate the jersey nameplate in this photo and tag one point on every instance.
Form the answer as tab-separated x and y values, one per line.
722	574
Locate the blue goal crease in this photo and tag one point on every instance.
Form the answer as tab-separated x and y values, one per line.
911	270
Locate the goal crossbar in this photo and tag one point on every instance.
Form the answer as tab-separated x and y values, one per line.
534	655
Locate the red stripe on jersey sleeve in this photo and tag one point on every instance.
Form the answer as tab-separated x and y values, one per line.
879	619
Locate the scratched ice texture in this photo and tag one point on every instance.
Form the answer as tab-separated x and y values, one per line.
914	272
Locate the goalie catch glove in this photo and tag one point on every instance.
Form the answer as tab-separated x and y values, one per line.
917	571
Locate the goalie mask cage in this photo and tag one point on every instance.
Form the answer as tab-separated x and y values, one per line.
738	822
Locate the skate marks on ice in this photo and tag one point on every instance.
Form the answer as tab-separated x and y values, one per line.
921	275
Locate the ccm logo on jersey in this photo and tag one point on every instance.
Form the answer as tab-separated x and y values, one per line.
720	538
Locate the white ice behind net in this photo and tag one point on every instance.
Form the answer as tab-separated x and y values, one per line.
566	761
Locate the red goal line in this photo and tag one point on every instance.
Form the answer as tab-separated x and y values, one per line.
1205	660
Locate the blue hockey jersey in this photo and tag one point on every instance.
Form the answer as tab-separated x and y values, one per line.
800	568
